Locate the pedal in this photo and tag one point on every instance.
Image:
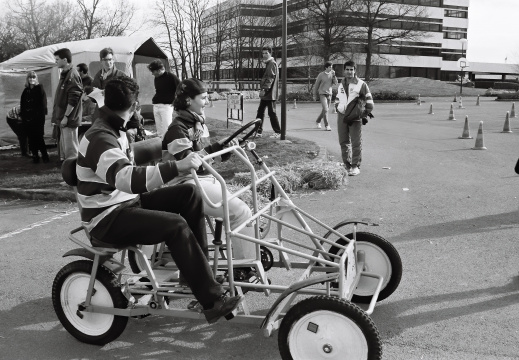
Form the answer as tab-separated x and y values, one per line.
229	316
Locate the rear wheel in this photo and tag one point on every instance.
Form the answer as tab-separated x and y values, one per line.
69	294
381	258
323	327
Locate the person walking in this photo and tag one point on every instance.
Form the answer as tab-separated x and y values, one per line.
323	92
269	93
165	86
67	110
14	120
354	104
33	109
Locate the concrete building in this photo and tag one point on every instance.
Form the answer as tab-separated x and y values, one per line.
237	29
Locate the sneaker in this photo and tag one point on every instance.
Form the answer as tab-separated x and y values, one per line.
317	125
275	136
222	307
354	171
328	128
259	135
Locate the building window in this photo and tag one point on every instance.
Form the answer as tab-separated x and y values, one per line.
456	13
454	35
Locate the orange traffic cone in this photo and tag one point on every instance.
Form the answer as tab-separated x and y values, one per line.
460	105
430	110
512	112
466	131
211	103
295	105
455	98
506	127
477	101
419	100
479	139
451	114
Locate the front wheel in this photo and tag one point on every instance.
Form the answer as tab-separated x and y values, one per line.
381	258
69	292
323	327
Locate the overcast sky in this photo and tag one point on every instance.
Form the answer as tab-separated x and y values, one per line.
493	31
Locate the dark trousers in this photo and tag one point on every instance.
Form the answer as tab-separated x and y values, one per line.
175	215
35	131
18	129
271	108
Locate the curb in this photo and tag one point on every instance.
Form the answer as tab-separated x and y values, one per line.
38	194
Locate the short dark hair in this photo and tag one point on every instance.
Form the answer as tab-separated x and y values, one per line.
268	48
328	63
155	65
64	54
121	93
350	63
83	68
105	51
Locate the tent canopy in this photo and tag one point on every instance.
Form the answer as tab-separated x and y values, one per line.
132	54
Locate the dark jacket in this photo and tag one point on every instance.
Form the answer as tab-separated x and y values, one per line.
69	92
98	81
269	81
33	104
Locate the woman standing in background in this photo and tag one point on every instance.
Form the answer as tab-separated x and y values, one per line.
33	110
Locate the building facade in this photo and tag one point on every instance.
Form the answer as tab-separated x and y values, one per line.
235	31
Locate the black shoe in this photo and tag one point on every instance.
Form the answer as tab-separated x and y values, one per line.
222	307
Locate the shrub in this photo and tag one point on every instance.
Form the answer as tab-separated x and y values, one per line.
392	95
297	176
300	96
506	85
509	96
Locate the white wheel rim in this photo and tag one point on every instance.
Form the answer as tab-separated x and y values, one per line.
327	335
377	262
73	292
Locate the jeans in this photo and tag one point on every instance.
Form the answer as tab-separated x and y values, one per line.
350	140
163	114
68	143
271	108
173	215
325	103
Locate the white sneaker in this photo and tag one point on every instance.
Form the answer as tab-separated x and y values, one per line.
317	125
328	128
354	171
275	136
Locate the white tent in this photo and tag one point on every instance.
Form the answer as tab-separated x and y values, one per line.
132	55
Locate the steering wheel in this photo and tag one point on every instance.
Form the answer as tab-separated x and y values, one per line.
255	124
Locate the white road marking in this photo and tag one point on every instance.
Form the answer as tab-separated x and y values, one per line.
37	224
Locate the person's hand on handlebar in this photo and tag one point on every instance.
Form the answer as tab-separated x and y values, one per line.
192	161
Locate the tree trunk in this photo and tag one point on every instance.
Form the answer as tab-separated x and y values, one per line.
369	54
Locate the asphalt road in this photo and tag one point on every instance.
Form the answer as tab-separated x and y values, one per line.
451	212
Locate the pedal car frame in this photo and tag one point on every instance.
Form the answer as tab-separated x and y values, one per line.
330	277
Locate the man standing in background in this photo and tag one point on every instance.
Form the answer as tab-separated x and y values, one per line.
108	70
67	110
82	69
165	86
323	93
269	93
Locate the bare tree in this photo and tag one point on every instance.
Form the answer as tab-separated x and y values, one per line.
324	25
40	23
10	40
105	18
381	23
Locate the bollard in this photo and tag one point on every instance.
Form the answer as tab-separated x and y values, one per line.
477	101
419	100
295	105
466	131
512	112
451	114
479	139
460	105
431	110
506	126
